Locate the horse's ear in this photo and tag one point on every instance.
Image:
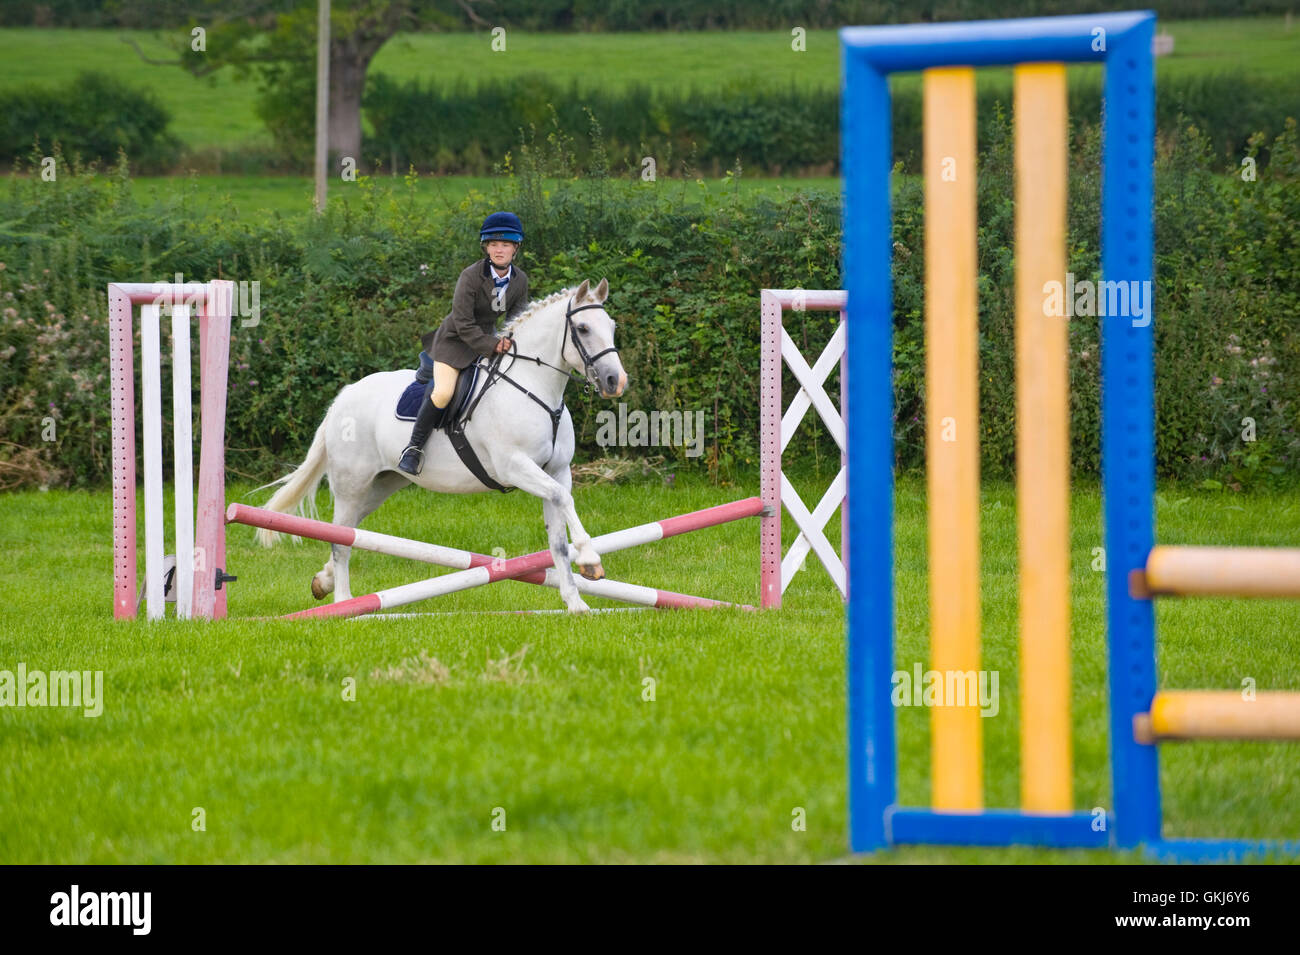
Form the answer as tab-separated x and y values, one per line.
602	291
581	293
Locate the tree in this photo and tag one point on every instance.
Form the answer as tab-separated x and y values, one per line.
276	43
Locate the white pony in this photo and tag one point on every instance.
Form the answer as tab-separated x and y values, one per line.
359	442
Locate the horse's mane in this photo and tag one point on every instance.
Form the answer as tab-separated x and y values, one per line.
535	306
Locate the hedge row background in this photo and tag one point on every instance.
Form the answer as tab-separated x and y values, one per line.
456	128
348	294
459	128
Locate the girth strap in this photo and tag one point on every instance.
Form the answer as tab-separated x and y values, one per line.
467	456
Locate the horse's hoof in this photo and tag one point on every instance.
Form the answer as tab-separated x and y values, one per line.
579	607
592	571
317	590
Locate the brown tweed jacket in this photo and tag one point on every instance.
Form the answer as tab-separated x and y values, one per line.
469	329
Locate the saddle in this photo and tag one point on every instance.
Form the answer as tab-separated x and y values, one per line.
409	404
453	419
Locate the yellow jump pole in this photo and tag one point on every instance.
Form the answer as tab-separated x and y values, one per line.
1219	572
1219	714
1042	441
952	430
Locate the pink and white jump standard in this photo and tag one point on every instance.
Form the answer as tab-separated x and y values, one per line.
201	543
479	569
776	429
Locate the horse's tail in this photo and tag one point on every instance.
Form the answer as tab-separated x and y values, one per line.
298	489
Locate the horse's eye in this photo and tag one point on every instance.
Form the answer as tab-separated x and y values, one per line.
583	329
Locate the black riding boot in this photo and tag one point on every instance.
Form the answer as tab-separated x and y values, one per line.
430	417
424	374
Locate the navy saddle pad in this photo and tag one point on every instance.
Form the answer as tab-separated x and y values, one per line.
408	406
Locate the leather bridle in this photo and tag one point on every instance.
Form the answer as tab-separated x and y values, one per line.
588	360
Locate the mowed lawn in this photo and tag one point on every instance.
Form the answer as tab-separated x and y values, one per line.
218	110
544	723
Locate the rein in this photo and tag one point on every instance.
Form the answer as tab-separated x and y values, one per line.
588	360
495	373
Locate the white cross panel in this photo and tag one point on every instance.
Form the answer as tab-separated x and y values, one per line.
812	391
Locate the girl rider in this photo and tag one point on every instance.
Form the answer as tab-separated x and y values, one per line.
486	291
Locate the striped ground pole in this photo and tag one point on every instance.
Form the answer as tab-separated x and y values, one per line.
479	569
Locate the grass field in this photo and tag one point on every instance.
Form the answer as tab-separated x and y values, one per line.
218	110
458	717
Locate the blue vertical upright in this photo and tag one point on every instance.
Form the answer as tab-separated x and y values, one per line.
869	403
1128	423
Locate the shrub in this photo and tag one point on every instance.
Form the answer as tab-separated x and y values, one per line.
349	293
92	119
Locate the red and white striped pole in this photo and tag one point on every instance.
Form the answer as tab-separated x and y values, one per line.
480	569
453	557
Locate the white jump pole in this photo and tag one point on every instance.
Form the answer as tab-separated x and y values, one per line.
151	387
183	459
481	569
458	559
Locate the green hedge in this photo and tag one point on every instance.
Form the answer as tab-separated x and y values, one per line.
92	118
467	129
460	128
348	294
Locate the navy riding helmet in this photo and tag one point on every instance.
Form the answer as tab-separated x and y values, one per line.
502	225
